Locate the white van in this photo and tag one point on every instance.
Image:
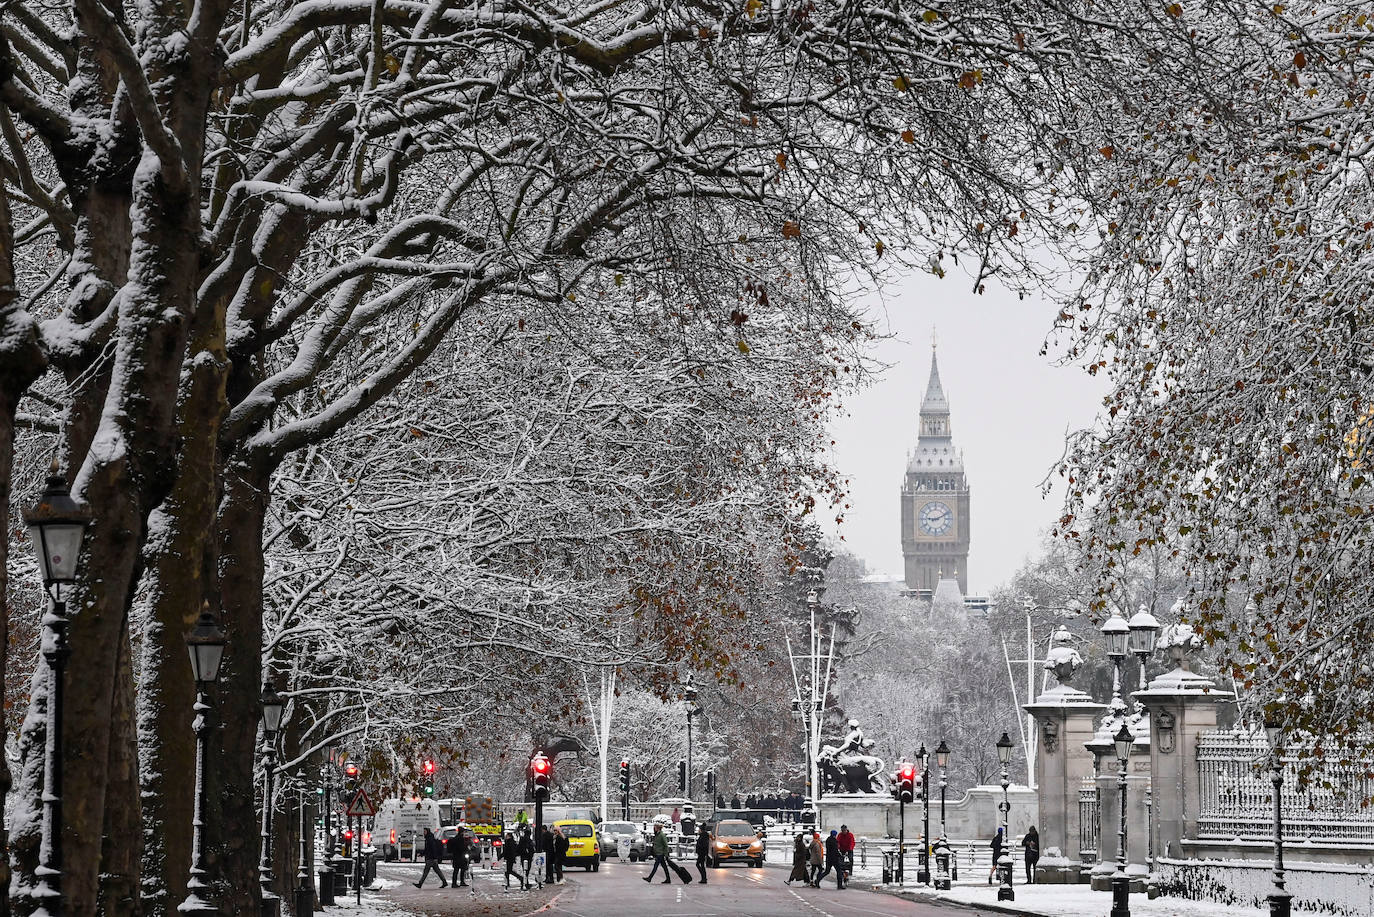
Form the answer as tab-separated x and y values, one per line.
398	831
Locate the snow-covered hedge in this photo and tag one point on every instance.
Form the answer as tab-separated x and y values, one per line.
1344	890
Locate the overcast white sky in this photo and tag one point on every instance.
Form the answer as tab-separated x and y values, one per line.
1009	410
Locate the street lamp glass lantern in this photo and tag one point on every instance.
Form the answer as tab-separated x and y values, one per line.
272	706
1144	628
1273	730
56	525
205	643
922	754
1123	740
1117	633
942	754
1004	747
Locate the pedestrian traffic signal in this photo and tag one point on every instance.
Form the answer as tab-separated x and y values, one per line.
541	769
906	781
624	778
682	777
429	768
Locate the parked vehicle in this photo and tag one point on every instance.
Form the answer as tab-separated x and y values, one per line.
583	848
398	830
614	834
733	840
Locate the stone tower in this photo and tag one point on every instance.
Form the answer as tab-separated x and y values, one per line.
935	498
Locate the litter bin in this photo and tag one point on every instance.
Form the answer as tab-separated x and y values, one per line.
326	887
343	871
889	866
369	868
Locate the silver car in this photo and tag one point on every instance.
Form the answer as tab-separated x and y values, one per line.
615	833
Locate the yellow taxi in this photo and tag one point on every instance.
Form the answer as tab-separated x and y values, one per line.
583	847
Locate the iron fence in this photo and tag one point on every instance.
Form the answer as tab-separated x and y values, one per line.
1089	811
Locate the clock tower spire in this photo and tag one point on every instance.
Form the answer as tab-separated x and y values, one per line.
935	495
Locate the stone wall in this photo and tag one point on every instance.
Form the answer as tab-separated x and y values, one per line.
1343	890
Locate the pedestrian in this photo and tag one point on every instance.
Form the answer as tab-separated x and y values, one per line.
799	861
677	816
833	860
703	851
526	848
560	851
815	857
734	801
1032	844
434	853
458	854
997	845
546	848
660	850
846	840
510	853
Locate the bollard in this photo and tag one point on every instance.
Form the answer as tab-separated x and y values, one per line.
887	868
305	900
326	887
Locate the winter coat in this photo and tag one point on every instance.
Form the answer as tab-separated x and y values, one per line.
832	849
703	844
510	850
434	848
458	849
817	855
526	847
846	839
997	848
660	844
560	846
1032	844
799	859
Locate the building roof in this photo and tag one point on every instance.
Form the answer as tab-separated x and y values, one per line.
935	452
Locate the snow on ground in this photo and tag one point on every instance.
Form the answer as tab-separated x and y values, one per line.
1081	901
372	906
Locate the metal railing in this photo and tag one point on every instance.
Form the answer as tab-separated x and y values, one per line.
1236	801
1089	820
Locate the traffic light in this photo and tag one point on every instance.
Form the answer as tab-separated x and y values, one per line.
906	781
429	768
542	770
624	778
429	777
682	776
710	783
351	771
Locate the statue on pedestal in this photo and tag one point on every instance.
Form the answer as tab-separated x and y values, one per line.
850	767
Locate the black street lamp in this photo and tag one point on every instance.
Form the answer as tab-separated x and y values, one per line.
1280	901
57	524
272	706
1144	634
689	694
205	644
305	893
942	880
923	875
1121	883
1004	892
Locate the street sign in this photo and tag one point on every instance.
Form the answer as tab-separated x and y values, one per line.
361	806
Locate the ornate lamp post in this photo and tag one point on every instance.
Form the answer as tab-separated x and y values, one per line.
924	872
1117	633
57	524
1280	901
689	694
1004	892
205	643
305	894
1121	883
942	881
1144	634
272	707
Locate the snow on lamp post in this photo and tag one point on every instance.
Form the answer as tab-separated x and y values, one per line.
924	873
689	694
1004	892
1116	633
942	881
1121	883
812	685
57	524
1280	900
1144	634
205	644
272	706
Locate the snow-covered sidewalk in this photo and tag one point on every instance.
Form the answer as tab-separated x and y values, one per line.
1070	901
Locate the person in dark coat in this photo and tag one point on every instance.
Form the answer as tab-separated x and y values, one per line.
526	848
510	853
799	862
734	801
834	859
997	845
434	854
546	848
703	851
560	852
1032	844
458	855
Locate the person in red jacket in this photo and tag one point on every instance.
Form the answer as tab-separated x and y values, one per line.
846	841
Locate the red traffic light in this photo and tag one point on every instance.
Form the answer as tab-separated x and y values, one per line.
908	772
348	834
351	771
624	765
429	767
540	765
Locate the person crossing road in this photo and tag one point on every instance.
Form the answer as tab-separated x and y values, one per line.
434	854
703	851
660	849
458	854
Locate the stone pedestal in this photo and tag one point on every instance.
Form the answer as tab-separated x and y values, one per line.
1182	706
867	815
1064	715
1137	836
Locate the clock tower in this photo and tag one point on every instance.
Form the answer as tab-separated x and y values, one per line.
935	498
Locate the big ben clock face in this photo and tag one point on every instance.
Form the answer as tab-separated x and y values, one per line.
936	518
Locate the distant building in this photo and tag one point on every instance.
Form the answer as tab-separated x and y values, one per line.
935	500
